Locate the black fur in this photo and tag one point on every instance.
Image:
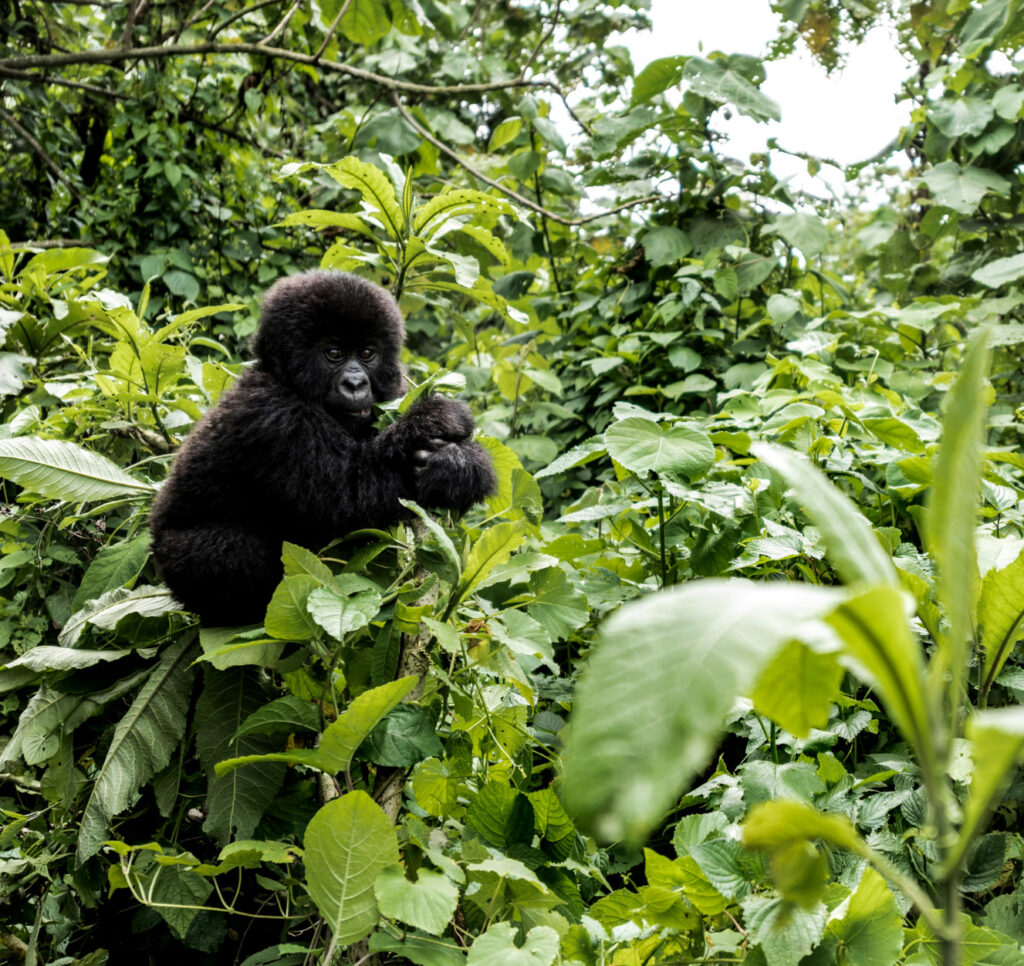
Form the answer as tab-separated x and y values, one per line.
290	452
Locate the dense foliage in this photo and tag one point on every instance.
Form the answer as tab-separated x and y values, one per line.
725	670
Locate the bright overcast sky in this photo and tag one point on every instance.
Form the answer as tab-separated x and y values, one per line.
847	117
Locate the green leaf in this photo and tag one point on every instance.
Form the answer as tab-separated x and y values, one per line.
287	616
585	452
665	245
62	470
953	506
785	932
798	687
377	191
348	843
47	658
997	748
142	744
492	549
959	116
1000	271
497	947
658	76
405	736
641	445
365	21
962	188
853	548
875	628
718	80
113	567
771	826
501	815
444	542
235	801
339	614
870	931
428	903
682	656
507	131
453	203
418	948
802	230
343	737
281	716
109	608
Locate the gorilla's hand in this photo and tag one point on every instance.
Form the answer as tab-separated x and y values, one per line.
434	421
453	475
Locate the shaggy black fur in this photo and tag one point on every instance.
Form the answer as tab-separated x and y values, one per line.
290	452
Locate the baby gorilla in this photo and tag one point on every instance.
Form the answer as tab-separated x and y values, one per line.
290	452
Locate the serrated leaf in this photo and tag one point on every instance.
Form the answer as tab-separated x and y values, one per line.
348	843
143	742
62	470
684	656
784	931
47	658
339	614
112	568
109	608
452	202
343	737
404	737
428	903
501	815
281	716
492	549
585	452
643	446
665	245
287	617
235	801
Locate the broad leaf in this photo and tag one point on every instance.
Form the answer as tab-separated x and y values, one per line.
868	925
143	742
718	80
497	947
348	843
428	903
664	673
641	445
963	188
797	688
65	471
853	548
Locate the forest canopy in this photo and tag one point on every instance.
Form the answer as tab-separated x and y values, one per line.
723	671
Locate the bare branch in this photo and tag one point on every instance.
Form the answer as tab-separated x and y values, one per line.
509	192
13	124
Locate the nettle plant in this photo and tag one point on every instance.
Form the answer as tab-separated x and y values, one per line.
668	668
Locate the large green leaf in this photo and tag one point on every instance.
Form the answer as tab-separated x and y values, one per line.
497	947
348	843
953	508
110	608
61	470
870	930
720	81
855	551
1000	271
373	184
963	188
1001	608
235	801
343	737
642	445
875	628
797	688
662	677
997	747
492	549
143	742
428	903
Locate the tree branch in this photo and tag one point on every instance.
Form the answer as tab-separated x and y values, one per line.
509	192
13	124
104	56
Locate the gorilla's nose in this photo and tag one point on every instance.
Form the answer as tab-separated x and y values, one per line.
354	381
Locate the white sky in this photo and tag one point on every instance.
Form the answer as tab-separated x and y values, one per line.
847	117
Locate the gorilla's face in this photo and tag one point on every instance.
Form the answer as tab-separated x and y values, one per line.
350	378
334	339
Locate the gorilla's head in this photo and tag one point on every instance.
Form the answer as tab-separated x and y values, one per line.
334	338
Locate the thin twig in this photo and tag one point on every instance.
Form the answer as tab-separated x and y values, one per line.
544	38
12	123
245	11
282	25
509	192
331	29
25	75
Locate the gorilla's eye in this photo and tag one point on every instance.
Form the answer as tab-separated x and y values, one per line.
334	354
367	353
